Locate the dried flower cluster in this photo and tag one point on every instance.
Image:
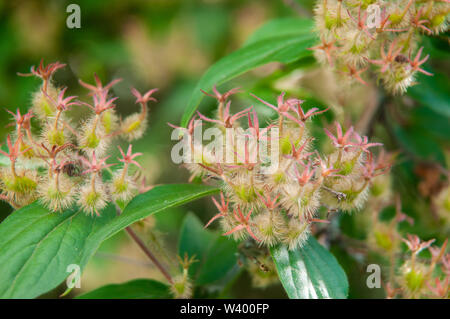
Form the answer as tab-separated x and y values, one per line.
62	165
279	205
352	39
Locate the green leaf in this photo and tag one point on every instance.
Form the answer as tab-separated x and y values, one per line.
427	120
37	246
215	254
277	46
219	260
194	241
432	92
156	200
134	289
310	272
419	142
281	27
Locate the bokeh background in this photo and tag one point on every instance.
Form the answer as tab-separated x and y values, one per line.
169	44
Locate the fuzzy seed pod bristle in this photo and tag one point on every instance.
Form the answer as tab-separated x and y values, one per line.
93	137
20	188
413	277
109	121
42	105
64	164
93	200
133	127
122	187
296	233
181	287
57	194
277	205
268	227
355	34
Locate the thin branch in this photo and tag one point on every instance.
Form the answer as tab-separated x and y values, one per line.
146	250
149	254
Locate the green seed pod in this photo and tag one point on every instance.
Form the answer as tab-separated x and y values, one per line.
413	279
42	105
133	127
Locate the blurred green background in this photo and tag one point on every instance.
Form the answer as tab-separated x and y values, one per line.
169	44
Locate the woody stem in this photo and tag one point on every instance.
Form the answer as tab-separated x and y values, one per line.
93	182
44	85
220	111
58	114
339	158
149	254
124	171
13	167
143	111
363	186
280	124
97	117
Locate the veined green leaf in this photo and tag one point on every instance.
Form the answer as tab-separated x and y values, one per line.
278	46
37	246
310	272
134	289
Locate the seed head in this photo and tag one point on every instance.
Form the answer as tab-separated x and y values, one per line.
98	88
129	157
44	72
94	165
221	98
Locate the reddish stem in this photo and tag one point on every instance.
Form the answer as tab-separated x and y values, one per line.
149	254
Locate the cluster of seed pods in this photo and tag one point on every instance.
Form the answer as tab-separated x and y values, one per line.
386	34
278	205
61	162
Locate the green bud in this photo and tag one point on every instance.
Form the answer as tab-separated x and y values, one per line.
414	280
56	137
